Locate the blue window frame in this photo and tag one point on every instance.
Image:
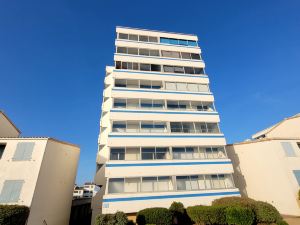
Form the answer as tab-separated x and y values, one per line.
183	42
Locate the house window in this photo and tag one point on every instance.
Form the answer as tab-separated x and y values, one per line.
11	191
23	151
2	147
288	149
297	176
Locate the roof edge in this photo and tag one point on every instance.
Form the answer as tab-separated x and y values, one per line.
10	122
263	140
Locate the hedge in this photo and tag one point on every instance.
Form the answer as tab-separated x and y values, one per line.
119	218
266	213
235	201
13	214
207	214
179	214
239	215
158	216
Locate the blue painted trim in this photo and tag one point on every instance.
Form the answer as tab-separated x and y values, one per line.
158	57
163	136
170	196
158	43
168	164
161	74
163	92
163	112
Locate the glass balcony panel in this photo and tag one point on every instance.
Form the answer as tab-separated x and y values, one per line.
132	185
171	86
164	184
149	184
133	127
132	103
116	185
148	153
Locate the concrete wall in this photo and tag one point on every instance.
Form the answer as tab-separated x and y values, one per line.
7	129
290	128
263	172
53	194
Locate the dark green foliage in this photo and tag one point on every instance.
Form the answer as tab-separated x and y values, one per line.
158	216
266	213
207	214
119	218
235	201
13	214
179	214
282	222
238	215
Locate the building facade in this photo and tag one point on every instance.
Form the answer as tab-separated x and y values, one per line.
88	190
38	173
159	139
267	167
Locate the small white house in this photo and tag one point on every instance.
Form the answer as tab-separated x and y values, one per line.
267	167
38	172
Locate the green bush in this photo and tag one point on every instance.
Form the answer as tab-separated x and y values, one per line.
13	214
119	218
158	216
266	213
235	201
281	222
207	214
179	214
239	215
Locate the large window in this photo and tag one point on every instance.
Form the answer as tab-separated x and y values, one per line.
190	127
151	153
11	191
116	185
135	37
173	41
180	69
117	153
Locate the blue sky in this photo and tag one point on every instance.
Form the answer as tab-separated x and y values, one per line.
53	56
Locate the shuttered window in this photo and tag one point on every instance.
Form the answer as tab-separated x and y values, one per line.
11	191
23	151
297	175
288	149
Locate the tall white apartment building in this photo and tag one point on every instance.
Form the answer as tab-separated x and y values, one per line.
159	139
38	172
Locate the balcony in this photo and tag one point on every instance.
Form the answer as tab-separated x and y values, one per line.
164	127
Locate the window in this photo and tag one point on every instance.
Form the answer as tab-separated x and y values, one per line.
120	83
178	69
149	184
297	176
144	51
143	38
122	50
120	103
133	51
184	152
2	147
155	67
117	154
288	149
298	143
199	71
23	151
145	67
187	183
173	41
154	53
153	39
195	56
119	127
116	185
123	36
132	185
11	191
151	153
133	37
186	55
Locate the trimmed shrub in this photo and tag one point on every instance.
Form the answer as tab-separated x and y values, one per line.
119	218
282	222
235	201
207	214
13	214
158	216
266	213
239	215
179	214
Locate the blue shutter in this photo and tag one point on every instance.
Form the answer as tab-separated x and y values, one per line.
288	149
11	191
297	175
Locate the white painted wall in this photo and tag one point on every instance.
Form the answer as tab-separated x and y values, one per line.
265	173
